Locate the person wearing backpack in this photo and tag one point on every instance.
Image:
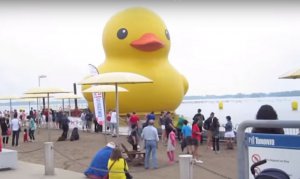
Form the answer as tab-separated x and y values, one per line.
200	117
207	127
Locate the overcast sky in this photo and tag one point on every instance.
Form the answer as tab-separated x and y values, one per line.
221	48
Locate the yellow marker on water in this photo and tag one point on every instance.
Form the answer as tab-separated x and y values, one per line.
221	105
294	105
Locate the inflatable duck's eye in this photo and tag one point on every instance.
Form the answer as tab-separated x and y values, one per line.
167	34
122	33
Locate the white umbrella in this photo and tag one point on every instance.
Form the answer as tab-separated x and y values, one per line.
36	96
104	89
116	78
9	97
48	91
291	75
68	96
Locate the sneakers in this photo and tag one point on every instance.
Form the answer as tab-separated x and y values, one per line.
197	161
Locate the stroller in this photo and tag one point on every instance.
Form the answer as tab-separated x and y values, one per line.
269	173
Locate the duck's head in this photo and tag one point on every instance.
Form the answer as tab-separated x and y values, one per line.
136	33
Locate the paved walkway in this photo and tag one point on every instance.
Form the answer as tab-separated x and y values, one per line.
27	170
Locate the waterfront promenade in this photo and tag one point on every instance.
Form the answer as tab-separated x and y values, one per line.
72	158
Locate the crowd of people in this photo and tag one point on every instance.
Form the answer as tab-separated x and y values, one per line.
144	134
15	123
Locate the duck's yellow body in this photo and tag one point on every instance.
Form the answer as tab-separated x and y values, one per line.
136	40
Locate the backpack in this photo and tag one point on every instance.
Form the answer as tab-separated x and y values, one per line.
207	123
75	134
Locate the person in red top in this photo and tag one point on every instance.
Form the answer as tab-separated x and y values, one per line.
196	137
134	119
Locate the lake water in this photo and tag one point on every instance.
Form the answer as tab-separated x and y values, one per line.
239	109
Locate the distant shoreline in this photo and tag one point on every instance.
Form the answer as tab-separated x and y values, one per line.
241	95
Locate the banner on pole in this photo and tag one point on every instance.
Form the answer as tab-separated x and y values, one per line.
99	108
98	99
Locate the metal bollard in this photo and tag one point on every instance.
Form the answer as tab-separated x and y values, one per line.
49	158
185	166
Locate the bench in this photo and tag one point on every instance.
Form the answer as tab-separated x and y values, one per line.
134	157
8	159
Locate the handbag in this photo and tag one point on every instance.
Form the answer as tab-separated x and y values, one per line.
8	132
127	174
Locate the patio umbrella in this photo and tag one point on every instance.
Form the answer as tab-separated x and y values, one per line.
48	91
9	97
104	89
116	78
291	75
36	96
68	96
29	100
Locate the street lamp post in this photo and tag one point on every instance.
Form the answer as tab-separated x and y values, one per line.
39	77
39	82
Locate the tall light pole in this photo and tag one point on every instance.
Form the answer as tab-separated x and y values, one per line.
39	82
39	77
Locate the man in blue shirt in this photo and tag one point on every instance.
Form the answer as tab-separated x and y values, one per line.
98	167
150	136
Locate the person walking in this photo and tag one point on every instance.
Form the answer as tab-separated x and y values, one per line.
150	136
179	127
163	127
16	128
216	135
171	147
128	115
65	127
113	123
117	165
196	137
89	119
207	127
169	124
135	138
83	120
201	120
229	134
187	137
32	127
4	129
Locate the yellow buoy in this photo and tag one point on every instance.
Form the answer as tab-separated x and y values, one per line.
294	105
221	105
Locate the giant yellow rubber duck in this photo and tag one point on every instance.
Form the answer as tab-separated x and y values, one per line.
137	40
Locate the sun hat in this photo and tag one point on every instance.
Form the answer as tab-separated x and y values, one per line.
111	145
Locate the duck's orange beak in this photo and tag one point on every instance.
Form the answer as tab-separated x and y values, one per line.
148	42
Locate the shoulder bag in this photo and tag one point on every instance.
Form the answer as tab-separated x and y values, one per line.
127	174
110	168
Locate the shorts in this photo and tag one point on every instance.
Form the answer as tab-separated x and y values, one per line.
195	142
229	134
189	140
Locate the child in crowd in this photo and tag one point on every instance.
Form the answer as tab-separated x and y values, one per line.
171	147
25	136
